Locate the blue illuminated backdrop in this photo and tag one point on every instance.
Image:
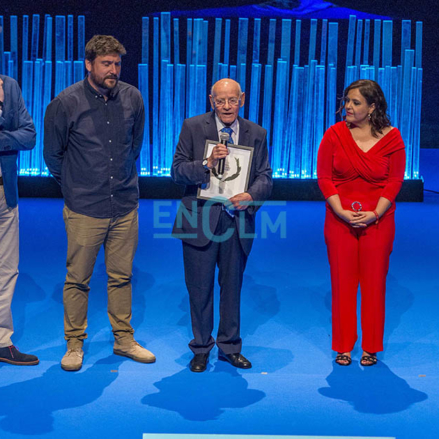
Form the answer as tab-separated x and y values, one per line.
294	95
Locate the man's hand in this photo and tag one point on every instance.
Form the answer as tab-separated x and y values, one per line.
2	92
220	151
241	201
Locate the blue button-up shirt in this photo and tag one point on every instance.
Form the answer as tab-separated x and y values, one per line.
91	146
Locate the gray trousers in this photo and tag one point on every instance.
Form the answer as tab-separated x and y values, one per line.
8	266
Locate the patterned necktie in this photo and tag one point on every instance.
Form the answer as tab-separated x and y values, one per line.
229	131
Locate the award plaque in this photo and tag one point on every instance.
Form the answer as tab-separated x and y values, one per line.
236	173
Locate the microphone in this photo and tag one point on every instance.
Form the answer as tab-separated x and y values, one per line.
224	138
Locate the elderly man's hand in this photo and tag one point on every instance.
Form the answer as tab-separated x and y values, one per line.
241	201
220	151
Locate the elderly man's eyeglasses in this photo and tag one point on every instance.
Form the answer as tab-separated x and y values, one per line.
221	102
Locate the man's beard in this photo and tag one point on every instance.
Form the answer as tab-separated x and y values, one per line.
101	82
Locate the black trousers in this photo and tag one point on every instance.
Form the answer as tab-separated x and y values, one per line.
199	266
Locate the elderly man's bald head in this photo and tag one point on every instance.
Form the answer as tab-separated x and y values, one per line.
228	83
226	98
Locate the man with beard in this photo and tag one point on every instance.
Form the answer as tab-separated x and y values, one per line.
93	134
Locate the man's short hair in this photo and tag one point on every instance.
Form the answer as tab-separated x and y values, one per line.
102	45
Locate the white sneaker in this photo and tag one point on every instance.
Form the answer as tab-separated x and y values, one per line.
72	359
133	350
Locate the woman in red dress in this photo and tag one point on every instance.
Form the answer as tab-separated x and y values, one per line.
360	168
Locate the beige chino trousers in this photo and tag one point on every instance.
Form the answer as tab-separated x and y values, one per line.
8	266
85	236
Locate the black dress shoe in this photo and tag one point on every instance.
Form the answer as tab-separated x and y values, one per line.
13	356
237	360
199	362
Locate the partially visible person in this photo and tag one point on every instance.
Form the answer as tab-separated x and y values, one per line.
93	134
17	132
360	169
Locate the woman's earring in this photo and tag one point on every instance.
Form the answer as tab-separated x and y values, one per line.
369	116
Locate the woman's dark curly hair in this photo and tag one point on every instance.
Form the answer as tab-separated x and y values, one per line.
371	91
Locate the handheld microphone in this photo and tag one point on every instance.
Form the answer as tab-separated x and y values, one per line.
224	138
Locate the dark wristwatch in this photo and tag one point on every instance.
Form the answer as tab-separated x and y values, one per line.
206	168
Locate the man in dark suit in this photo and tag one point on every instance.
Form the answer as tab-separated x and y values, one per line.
17	132
205	226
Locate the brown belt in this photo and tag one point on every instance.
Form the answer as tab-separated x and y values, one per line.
1	180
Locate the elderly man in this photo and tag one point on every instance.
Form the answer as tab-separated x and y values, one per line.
93	134
17	132
201	253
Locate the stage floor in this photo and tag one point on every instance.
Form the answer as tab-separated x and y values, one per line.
294	387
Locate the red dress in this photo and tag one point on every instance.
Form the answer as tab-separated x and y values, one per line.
359	256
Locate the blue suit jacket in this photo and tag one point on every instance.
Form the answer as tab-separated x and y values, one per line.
187	169
17	132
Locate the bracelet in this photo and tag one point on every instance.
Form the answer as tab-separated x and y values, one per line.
377	216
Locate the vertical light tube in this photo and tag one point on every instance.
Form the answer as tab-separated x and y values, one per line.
169	125
81	37
233	74
196	43
387	42
165	38
227	43
24	42
323	43
319	115
47	97
162	115
331	96
366	42
145	154
35	158
351	41
271	42
60	79
312	41
69	38
155	99
406	37
60	38
224	71
191	96
268	97
405	106
297	43
242	75
176	42
298	138
179	101
189	38
27	89
145	41
333	44
292	121
68	65
417	124
1	44
278	121
419	45
256	40
358	43
285	56
216	49
393	101
14	45
48	37
10	66
376	45
307	147
255	91
201	88
35	36
242	49
78	70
